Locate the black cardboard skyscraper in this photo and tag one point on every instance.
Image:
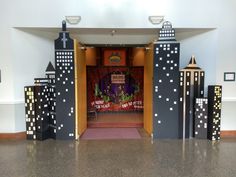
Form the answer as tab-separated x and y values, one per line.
30	113
201	118
40	107
214	111
65	85
166	84
191	87
50	75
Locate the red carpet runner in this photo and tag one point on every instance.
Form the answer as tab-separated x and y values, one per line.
110	133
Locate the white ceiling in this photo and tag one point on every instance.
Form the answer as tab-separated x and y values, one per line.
122	36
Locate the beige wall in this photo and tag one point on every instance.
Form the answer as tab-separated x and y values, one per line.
91	55
138	56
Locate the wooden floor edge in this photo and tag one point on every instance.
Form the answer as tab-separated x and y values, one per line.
228	133
22	135
13	136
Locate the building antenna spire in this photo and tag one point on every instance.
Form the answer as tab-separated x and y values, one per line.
63	25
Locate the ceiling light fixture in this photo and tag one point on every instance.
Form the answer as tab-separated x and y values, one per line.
73	20
113	32
155	20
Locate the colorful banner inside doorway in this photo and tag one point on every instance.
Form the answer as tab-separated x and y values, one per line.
114	89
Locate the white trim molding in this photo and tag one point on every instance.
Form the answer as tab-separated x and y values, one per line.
229	99
12	101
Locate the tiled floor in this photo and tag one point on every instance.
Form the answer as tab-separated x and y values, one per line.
118	158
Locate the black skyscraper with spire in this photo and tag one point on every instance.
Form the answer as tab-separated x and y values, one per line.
166	84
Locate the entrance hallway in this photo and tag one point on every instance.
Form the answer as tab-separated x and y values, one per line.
118	158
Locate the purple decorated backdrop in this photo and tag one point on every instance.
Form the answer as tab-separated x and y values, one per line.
112	89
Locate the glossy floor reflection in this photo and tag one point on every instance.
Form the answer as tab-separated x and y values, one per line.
118	158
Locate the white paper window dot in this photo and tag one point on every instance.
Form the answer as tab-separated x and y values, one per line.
71	67
156	87
171	68
58	78
175	102
164	68
160	81
167	74
175	64
196	133
60	68
159	96
68	71
156	90
59	128
63	71
66	79
64	82
66	90
69	114
171	109
159	121
175	90
168	55
160	58
156	65
171	80
167	99
64	100
167	61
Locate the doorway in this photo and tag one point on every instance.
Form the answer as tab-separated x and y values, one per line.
115	94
